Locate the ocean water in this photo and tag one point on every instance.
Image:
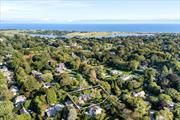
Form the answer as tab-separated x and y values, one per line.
167	28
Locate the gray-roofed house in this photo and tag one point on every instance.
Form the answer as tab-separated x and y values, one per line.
23	111
95	110
37	75
51	111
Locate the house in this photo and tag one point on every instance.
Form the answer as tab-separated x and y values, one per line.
126	77
165	47
20	99
141	43
67	46
60	67
115	72
1	40
86	97
95	110
171	105
8	56
152	114
48	85
73	55
75	45
105	75
80	101
139	94
23	111
144	65
8	74
37	75
51	111
14	90
160	117
51	62
69	103
83	98
112	53
4	69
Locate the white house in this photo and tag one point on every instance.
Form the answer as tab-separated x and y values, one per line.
95	110
8	55
112	53
1	40
115	72
20	99
126	77
139	94
48	85
51	112
60	68
73	55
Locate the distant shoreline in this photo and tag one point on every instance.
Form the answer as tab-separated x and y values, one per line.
161	28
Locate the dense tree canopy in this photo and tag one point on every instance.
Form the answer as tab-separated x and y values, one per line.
122	77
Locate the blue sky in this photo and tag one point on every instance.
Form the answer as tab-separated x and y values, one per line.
90	11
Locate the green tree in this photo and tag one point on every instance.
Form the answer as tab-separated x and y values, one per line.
165	71
164	115
176	111
5	94
173	93
39	104
69	113
66	80
47	76
150	74
6	108
133	65
51	96
154	88
23	117
31	84
137	104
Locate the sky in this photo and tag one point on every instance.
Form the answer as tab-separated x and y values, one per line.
90	11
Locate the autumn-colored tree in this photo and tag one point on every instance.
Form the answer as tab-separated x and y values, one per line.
92	74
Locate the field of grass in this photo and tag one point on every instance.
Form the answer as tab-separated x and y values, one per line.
91	34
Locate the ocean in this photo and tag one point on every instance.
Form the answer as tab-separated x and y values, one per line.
165	28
